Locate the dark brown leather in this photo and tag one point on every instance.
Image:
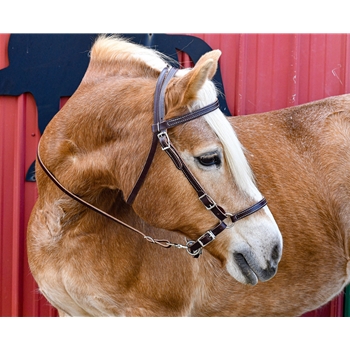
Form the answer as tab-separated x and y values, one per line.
195	248
159	124
144	171
202	195
249	211
158	115
167	124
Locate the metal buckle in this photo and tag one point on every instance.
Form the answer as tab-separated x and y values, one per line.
212	236
164	134
210	200
199	250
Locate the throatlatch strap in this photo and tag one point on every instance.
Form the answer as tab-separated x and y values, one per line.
158	115
162	242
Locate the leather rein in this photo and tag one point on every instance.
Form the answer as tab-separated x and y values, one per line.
160	135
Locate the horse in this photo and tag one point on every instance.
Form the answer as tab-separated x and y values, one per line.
95	164
105	195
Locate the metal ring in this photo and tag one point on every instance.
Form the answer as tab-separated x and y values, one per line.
196	252
230	225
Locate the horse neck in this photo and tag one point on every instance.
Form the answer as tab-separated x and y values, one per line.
88	146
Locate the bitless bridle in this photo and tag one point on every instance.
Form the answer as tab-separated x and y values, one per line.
160	135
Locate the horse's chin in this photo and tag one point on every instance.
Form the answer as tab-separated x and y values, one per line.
244	273
246	270
247	277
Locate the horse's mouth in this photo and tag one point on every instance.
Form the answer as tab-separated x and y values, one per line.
248	273
251	271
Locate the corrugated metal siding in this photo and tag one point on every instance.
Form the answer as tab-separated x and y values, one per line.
260	73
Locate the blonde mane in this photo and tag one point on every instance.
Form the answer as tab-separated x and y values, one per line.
233	150
112	48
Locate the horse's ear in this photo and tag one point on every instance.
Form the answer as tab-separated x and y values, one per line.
212	55
205	68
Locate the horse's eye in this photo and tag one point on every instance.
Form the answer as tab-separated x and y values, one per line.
210	159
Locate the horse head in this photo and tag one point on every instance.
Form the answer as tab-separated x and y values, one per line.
102	138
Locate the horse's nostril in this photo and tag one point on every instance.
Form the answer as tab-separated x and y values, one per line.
275	255
272	267
273	262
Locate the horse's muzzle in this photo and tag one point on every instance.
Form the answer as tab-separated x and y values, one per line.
251	269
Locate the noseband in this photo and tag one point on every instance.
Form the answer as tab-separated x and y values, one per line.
159	129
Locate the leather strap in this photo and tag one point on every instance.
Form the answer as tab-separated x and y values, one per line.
162	242
162	125
170	123
249	211
142	177
195	248
179	163
159	100
158	115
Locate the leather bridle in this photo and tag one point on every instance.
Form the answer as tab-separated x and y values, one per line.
159	129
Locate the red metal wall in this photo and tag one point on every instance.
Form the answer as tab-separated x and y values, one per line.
18	142
260	72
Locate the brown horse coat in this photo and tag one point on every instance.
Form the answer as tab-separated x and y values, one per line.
301	159
86	264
